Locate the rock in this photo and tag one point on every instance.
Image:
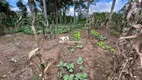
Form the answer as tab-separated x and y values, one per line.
13	60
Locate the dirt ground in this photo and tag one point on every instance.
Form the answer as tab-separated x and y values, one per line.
14	49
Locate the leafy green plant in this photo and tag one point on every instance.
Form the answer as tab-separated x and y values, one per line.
81	68
102	38
112	50
97	35
75	36
79	60
103	46
59	75
80	46
69	77
94	33
61	64
107	47
81	76
70	67
100	44
27	30
72	49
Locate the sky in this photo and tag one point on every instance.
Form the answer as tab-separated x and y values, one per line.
101	6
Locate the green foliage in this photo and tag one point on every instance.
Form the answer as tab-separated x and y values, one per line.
35	77
79	60
27	30
100	44
97	35
59	75
69	77
103	46
81	68
75	36
81	76
12	31
61	28
61	64
110	49
72	49
114	32
80	46
70	67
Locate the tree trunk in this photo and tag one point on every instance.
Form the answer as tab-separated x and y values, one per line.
111	12
45	16
74	12
88	6
45	10
56	12
60	16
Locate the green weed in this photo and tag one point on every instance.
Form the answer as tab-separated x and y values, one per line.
70	67
81	76
61	64
103	46
69	77
81	68
75	36
97	35
79	60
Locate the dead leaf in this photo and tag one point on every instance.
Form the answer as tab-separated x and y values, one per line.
33	53
45	70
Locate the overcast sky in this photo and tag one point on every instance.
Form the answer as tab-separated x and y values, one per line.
101	6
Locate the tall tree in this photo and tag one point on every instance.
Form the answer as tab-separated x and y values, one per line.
88	6
44	9
111	11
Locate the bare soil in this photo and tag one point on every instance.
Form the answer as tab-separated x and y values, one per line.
14	49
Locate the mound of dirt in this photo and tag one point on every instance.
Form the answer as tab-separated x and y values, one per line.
14	63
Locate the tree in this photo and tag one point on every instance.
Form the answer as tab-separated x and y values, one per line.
6	16
45	10
88	6
111	11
